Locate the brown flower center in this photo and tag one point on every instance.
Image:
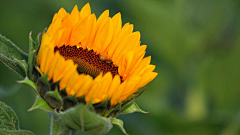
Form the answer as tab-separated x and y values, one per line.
89	62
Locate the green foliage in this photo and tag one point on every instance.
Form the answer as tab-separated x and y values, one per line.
8	119
15	132
9	124
81	118
8	50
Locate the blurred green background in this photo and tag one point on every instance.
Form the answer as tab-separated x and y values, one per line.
194	44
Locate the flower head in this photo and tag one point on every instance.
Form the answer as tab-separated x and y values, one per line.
97	59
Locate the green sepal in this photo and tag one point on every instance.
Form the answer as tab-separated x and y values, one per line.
90	106
103	104
119	123
43	85
8	50
8	118
30	55
22	64
69	101
133	108
81	118
127	105
15	132
54	99
136	94
37	42
40	104
118	106
38	70
29	83
113	111
102	107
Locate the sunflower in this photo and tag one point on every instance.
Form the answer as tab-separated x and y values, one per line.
97	59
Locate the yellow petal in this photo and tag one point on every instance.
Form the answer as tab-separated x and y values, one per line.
106	81
89	29
85	11
125	31
125	64
53	65
114	85
102	18
92	34
149	68
103	36
57	74
50	56
131	87
93	91
79	32
117	24
130	40
117	94
64	81
63	36
43	58
70	85
75	16
88	80
147	78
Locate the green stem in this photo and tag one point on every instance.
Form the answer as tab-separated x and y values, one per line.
57	129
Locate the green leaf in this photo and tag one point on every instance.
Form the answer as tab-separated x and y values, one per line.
8	118
54	99
119	123
133	108
23	64
11	64
57	129
81	118
40	104
15	132
8	50
29	83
